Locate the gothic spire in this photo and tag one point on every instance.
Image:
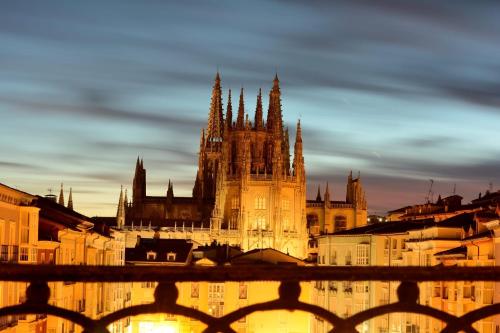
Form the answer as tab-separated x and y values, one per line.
61	196
139	182
126	198
120	212
298	158
137	165
170	192
229	113
327	194
318	195
241	112
215	117
274	112
258	112
70	199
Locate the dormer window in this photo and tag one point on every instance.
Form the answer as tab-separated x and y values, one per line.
171	256
151	255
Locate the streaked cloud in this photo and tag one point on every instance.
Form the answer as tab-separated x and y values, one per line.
403	91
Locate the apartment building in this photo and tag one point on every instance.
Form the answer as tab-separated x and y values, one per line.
406	243
39	230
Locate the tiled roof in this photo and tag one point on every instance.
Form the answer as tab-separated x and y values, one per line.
386	227
161	247
266	256
399	210
465	220
456	251
219	253
55	213
484	234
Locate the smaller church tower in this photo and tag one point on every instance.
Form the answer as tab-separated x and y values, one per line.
355	194
120	213
139	183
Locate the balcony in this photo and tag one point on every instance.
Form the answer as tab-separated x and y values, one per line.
166	292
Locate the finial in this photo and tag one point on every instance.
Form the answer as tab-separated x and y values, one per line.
298	134
61	196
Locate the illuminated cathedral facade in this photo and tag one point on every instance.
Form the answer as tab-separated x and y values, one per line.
249	190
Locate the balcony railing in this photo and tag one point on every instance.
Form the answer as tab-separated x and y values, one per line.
166	293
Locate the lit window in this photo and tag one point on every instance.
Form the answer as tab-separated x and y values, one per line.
195	290
151	255
243	290
260	203
260	223
340	223
362	254
171	256
25	230
4	253
23	255
34	254
235	203
216	299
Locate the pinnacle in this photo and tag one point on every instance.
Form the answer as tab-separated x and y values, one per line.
61	196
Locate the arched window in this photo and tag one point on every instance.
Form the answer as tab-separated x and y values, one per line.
340	223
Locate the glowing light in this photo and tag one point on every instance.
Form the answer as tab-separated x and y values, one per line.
158	327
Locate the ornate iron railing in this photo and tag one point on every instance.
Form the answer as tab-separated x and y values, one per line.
166	293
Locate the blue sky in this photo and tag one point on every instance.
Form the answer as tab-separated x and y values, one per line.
402	91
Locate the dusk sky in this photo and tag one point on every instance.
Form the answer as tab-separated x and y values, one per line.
402	91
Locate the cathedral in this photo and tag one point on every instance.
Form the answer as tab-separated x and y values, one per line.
249	191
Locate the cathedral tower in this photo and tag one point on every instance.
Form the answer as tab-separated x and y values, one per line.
259	200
